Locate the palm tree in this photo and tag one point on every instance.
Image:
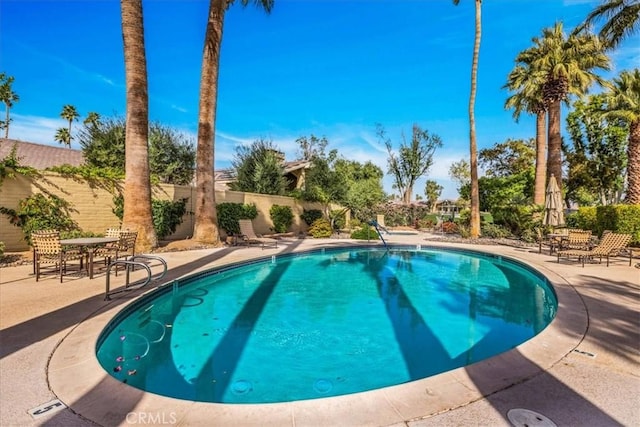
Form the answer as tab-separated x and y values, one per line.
70	114
473	150
63	136
527	83
623	100
8	97
137	183
622	19
205	226
568	64
92	119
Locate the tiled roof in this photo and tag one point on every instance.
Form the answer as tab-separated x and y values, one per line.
40	156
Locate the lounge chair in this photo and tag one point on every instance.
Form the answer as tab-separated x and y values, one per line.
122	249
48	250
576	239
611	245
249	236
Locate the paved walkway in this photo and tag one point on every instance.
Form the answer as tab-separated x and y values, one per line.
583	370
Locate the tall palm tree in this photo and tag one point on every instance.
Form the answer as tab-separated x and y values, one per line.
568	64
92	119
63	136
8	97
527	83
473	149
623	100
137	183
205	226
622	18
70	114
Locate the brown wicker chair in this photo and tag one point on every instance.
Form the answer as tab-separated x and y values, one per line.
48	250
611	245
125	246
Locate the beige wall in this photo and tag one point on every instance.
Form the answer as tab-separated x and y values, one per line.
92	207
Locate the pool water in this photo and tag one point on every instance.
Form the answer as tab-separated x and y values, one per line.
325	323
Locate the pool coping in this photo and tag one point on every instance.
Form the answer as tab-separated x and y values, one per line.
74	357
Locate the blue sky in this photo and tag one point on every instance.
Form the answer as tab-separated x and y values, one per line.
329	68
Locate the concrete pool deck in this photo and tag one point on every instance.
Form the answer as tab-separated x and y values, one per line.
584	369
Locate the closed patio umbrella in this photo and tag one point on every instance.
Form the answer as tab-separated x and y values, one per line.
553	208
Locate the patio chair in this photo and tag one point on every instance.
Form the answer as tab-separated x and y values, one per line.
249	236
122	249
551	240
611	245
48	250
576	239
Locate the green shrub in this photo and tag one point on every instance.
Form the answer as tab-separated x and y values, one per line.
41	212
167	215
282	217
1	249
365	232
486	218
311	215
320	228
338	219
230	213
494	231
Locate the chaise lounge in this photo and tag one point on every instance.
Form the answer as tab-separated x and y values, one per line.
611	245
249	236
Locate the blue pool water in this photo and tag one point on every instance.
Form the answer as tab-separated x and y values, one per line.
324	323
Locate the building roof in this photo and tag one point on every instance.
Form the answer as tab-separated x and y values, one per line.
39	156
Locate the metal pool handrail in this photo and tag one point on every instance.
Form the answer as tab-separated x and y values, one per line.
129	264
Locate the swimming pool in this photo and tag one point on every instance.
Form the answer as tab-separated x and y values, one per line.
324	323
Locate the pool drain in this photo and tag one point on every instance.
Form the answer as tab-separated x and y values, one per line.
526	418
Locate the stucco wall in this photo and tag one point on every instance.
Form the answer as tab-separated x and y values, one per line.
92	207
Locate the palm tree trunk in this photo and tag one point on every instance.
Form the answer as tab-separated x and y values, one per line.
541	159
205	227
473	155
137	183
633	165
554	166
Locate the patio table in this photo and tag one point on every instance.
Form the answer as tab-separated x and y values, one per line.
89	243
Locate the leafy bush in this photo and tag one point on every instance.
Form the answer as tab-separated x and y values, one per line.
310	216
365	233
495	231
167	215
41	212
282	217
230	213
320	228
338	219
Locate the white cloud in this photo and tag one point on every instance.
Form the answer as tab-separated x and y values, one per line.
36	129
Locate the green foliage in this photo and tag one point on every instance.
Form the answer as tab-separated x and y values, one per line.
460	173
41	212
167	215
598	157
282	217
320	228
230	213
508	158
311	215
495	231
365	232
10	166
517	218
171	153
499	192
258	169
172	156
620	219
585	218
338	219
486	218
1	249
413	158
364	186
